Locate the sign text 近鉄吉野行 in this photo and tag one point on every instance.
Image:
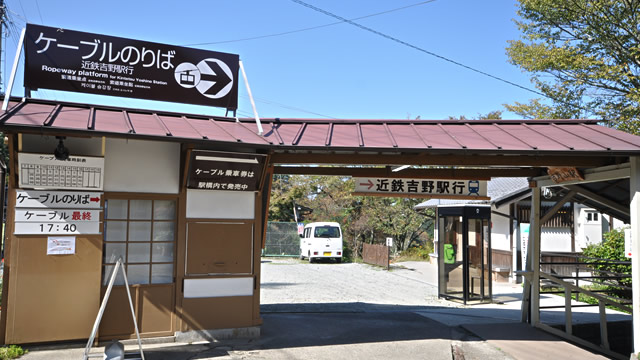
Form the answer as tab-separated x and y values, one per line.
424	187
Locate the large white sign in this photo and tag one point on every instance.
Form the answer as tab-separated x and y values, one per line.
44	171
431	187
57	212
57	199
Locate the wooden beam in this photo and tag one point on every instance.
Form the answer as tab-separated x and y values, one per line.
426	159
454	174
558	206
624	209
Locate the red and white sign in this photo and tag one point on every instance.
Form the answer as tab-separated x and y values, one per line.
57	199
57	215
57	212
61	245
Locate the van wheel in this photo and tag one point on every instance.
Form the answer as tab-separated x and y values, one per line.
301	257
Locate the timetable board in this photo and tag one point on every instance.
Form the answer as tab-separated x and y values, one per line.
44	171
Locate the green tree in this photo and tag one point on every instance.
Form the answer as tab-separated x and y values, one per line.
582	54
285	190
493	115
363	219
611	249
395	217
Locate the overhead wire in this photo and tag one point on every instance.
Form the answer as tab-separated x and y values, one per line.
39	13
271	102
415	47
312	27
23	12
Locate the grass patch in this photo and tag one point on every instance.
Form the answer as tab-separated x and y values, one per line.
11	352
419	253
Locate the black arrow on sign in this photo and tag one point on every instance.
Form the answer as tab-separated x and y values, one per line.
220	78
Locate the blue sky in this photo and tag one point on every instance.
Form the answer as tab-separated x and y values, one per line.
337	71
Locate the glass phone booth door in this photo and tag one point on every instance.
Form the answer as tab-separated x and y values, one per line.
464	247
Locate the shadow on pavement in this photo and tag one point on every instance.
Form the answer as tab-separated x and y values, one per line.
310	330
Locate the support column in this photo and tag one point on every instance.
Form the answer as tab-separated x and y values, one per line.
634	192
534	254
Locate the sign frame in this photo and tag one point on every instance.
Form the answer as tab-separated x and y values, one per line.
421	188
60	174
58	199
68	60
233	171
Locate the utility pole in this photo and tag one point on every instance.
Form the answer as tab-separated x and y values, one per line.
3	15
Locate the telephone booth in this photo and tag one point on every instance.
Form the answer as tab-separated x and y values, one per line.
464	247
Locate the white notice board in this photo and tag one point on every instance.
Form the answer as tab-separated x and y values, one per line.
50	212
44	171
61	245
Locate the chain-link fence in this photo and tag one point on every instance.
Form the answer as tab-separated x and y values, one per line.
282	239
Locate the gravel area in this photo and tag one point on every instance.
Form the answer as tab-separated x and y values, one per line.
357	287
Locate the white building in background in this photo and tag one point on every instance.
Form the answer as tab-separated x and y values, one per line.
570	230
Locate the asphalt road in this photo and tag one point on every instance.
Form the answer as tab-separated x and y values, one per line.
294	285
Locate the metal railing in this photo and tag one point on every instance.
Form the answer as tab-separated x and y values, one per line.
606	286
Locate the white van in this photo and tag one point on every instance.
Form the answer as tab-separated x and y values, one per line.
321	240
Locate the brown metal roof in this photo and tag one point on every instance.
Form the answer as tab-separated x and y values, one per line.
575	137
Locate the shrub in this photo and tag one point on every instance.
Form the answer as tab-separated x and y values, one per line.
611	248
419	252
11	352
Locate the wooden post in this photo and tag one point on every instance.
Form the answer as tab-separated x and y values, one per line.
534	254
634	192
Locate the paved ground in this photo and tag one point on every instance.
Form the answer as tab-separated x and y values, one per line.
338	311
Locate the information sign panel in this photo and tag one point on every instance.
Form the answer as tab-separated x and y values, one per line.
44	171
51	228
61	245
436	188
57	199
68	60
57	215
211	170
57	212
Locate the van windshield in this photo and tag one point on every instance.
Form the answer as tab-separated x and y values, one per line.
327	232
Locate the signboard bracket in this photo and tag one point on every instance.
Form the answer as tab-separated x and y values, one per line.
14	69
253	104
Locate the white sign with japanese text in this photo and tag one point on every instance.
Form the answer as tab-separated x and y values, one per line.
57	215
44	171
432	187
628	252
57	199
57	212
33	228
61	245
